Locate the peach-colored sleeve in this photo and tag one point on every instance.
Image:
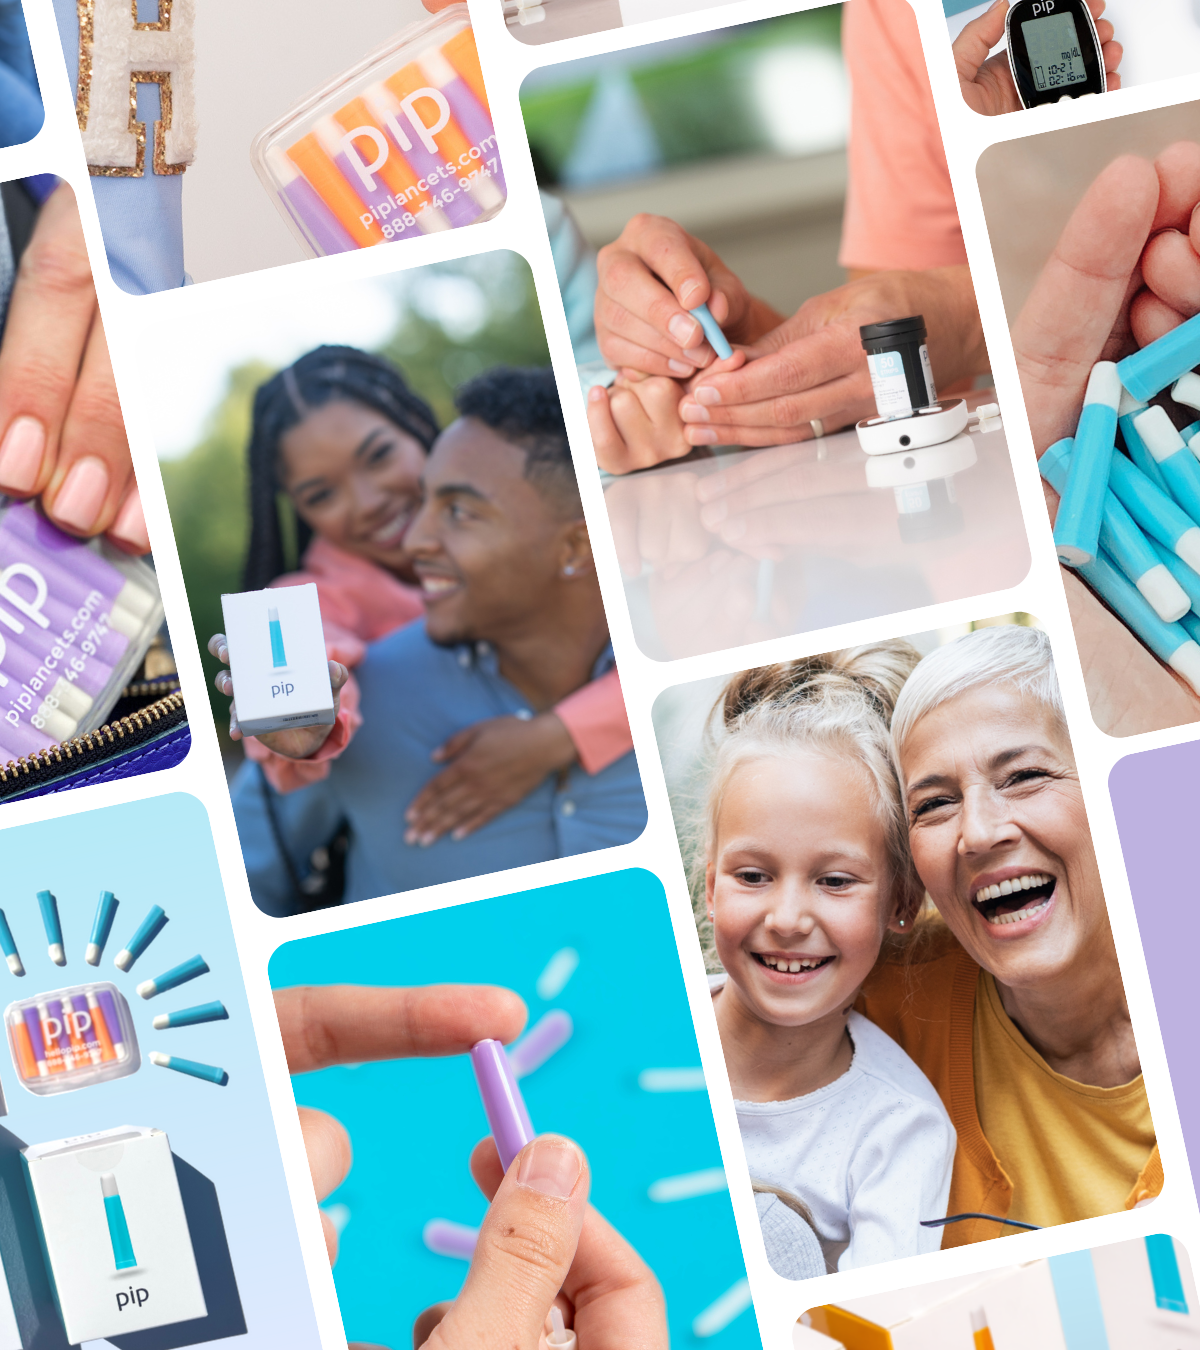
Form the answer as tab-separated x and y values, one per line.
900	210
286	775
595	719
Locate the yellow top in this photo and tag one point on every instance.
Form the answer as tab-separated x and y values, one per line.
1026	1110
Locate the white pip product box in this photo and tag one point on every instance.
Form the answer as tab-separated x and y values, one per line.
277	658
114	1232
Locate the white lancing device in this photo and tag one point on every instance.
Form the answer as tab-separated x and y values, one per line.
927	426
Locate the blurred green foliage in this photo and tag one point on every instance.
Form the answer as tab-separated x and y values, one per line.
456	319
697	99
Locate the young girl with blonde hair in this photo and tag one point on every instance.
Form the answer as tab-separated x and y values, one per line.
807	871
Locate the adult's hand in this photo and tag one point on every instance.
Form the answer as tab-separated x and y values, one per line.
986	81
812	365
650	276
350	1024
1088	305
62	436
540	1244
295	743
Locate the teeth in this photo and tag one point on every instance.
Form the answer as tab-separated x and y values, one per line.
437	584
794	965
1024	883
1017	915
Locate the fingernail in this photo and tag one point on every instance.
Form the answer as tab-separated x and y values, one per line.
21	455
713	514
701	435
706	393
551	1166
693	412
130	524
82	494
410	837
680	368
596	393
458	834
684	330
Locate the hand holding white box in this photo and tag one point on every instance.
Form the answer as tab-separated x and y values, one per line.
277	659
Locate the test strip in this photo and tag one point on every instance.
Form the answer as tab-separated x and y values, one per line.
208	1072
190	1017
171	979
108	1051
546	1037
1175	462
1163	362
27	1065
712	331
1124	541
118	1229
106	911
1168	641
49	907
113	1022
151	926
9	947
502	1101
450	1239
1081	509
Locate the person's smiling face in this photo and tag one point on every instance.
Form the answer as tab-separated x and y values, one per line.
355	480
999	833
800	884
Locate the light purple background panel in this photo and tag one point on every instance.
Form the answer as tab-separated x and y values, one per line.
1156	796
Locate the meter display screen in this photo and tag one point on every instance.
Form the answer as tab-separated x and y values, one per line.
1055	58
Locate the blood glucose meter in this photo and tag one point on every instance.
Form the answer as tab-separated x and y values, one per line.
1053	51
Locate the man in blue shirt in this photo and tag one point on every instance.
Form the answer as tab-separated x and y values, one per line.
514	623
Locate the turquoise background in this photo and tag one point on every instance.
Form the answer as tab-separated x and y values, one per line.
413	1123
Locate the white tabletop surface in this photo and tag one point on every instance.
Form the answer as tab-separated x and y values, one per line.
813	535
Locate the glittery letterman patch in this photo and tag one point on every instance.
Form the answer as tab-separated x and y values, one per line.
116	54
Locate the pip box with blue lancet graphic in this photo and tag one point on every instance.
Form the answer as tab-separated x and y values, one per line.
277	658
1131	1294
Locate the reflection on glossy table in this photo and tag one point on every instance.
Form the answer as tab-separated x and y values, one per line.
748	545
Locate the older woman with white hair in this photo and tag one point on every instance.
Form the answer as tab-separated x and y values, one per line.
1010	999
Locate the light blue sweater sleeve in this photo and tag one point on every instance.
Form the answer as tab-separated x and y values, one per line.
20	101
141	218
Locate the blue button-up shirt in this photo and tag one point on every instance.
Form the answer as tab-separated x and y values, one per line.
415	695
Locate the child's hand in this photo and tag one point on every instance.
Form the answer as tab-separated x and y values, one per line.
298	743
491	766
62	436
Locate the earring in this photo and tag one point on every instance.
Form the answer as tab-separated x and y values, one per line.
569	570
902	923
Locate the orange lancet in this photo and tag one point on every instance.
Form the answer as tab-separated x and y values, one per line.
326	179
396	172
463	55
450	141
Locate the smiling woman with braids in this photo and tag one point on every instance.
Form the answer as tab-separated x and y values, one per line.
343	440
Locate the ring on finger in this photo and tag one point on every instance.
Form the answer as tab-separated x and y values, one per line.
818	428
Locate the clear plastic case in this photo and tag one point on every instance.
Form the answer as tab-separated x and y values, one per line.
71	1038
398	146
76	620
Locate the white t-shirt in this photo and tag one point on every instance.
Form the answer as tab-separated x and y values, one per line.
870	1153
